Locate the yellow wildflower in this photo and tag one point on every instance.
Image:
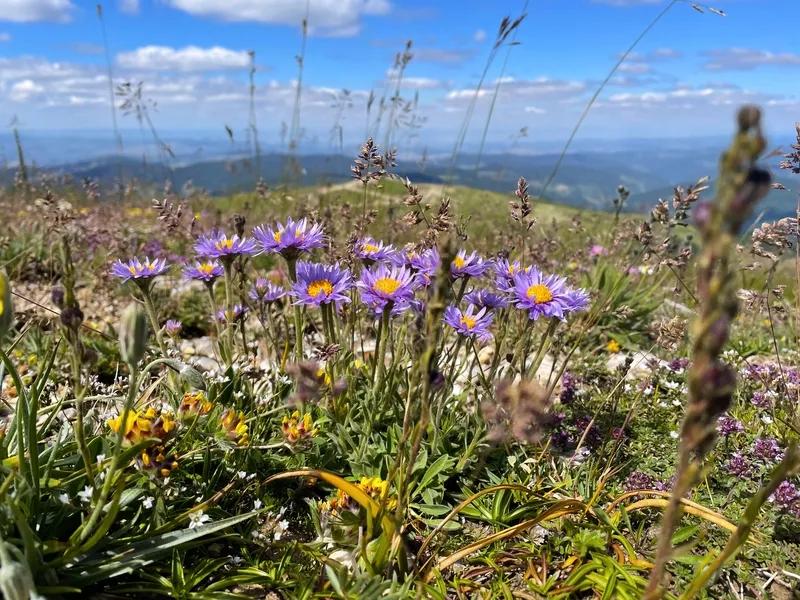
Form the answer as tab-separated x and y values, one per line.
613	346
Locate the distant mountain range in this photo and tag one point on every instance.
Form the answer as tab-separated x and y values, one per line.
587	179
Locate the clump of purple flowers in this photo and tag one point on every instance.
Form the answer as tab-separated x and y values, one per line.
319	284
139	269
728	426
383	285
785	495
767	449
738	465
470	322
218	245
639	480
423	264
290	239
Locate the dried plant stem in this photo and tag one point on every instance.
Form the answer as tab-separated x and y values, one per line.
112	104
599	90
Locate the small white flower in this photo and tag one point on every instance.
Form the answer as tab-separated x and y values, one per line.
100	458
674	435
242	474
280	528
197	518
63	498
766	419
86	494
148	502
257	504
512	460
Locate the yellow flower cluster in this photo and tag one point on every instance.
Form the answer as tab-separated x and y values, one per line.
142	426
297	428
194	404
375	487
613	346
234	426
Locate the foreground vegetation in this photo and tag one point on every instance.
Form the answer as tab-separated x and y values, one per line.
485	403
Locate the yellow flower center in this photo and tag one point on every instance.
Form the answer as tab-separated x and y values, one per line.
539	293
206	268
321	286
277	236
369	248
224	243
132	269
387	285
468	322
459	262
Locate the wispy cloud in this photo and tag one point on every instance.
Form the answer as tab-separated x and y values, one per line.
325	17
5	37
26	11
746	59
190	58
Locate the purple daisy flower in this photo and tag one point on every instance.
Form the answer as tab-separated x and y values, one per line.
218	245
138	269
469	322
291	239
231	315
471	265
265	291
486	299
173	327
541	295
424	264
505	271
383	284
369	250
321	284
577	300
207	271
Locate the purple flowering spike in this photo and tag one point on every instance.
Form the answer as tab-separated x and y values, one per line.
471	265
289	240
470	322
139	269
319	284
383	284
218	245
207	271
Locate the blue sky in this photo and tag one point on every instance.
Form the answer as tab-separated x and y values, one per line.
685	78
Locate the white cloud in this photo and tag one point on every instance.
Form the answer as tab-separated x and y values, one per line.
422	83
24	90
190	58
325	17
535	110
130	7
5	37
479	36
26	11
745	59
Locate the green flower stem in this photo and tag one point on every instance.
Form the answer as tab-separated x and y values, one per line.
97	512
380	365
298	314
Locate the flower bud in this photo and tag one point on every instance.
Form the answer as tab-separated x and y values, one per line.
192	377
6	311
133	334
